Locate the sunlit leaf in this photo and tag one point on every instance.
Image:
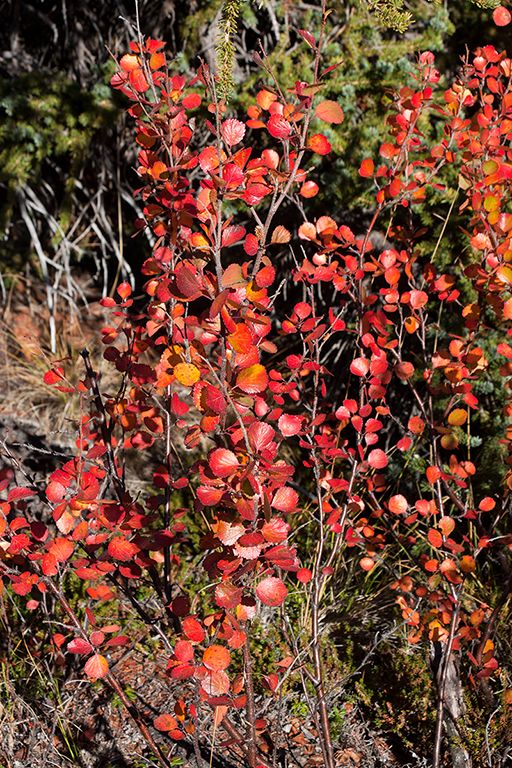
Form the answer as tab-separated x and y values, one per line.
435	538
285	499
319	144
272	591
216	657
329	112
279	127
253	379
398	504
377	459
96	667
187	373
367	168
501	16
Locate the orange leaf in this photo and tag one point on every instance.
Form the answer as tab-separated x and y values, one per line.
96	666
457	417
186	373
446	525
398	504
404	371
122	549
309	189
367	168
165	723
435	538
329	112
319	144
216	657
252	380
61	549
416	425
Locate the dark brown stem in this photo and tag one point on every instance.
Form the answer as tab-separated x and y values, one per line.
436	757
236	736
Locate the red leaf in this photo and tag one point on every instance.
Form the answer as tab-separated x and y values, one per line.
79	646
49	565
138	80
251	245
433	474
209	159
191	100
285	499
209	496
184	651
289	424
188	283
435	538
276	530
215	399
304	575
501	16
21	493
97	638
271	591
96	666
61	549
193	630
216	657
223	462
308	37
115	642
360	366
55	491
367	168
233	131
165	722
253	379
260	435
232	234
279	127
319	144
122	549
329	112
227	595
377	459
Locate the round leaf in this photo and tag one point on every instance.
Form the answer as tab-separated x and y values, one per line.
216	657
271	591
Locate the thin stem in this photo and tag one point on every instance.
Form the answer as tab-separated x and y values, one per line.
436	758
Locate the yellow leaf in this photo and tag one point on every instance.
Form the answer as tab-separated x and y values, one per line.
186	373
